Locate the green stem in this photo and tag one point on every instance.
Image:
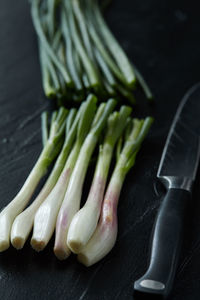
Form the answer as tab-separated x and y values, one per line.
45	43
44	119
88	64
56	40
100	124
98	42
51	5
106	71
115	126
83	28
114	47
69	52
48	87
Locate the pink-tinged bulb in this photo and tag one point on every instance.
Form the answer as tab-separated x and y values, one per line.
109	208
105	235
61	249
61	221
100	244
64	176
97	190
85	220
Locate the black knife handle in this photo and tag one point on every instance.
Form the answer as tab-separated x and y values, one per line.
165	249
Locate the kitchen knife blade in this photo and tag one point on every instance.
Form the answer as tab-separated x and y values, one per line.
177	171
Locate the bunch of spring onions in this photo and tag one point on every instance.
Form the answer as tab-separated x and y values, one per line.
79	54
52	144
72	137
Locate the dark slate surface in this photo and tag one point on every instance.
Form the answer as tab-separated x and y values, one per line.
162	39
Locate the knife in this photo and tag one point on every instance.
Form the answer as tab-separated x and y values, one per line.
177	171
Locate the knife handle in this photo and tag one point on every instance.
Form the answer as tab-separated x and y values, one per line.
165	249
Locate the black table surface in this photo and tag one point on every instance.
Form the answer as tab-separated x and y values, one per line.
161	37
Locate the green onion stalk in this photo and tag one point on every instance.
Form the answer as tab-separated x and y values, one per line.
23	223
122	68
88	64
105	235
70	59
48	154
35	12
45	217
71	202
79	54
105	55
113	45
85	220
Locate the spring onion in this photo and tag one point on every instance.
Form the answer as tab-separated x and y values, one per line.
85	220
43	39
23	223
105	234
87	63
48	154
79	54
69	53
45	218
114	47
71	202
